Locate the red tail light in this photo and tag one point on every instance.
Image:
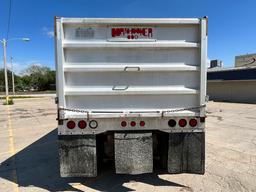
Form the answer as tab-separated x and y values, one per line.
123	123
133	123
71	124
142	123
182	122
82	124
193	122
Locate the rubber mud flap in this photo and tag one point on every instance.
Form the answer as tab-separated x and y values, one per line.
78	155
133	153
186	153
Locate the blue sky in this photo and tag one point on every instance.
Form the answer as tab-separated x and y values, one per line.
232	23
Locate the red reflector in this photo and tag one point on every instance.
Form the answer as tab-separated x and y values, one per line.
182	122
142	123
82	124
193	122
71	124
123	123
133	123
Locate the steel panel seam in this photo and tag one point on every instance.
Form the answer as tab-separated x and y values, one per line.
203	64
120	21
60	61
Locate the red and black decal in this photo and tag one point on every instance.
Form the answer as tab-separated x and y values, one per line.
132	33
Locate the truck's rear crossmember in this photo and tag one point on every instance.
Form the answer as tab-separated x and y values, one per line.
132	152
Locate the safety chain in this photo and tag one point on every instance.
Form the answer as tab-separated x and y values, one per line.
74	110
163	112
184	109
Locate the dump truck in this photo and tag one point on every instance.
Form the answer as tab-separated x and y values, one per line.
131	94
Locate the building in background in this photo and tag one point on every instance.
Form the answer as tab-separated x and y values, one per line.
247	60
232	84
216	63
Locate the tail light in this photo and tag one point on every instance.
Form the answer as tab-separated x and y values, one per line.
82	124
172	123
193	122
182	122
71	124
142	123
93	124
133	123
123	124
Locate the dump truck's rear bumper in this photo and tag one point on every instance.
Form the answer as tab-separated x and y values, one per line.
133	154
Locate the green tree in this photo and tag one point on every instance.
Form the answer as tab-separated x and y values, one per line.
39	77
36	77
24	83
9	75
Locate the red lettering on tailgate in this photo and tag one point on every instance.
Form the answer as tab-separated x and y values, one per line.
132	33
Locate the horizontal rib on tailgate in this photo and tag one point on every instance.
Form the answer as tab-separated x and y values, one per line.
128	90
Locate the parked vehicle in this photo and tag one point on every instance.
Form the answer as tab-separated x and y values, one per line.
132	92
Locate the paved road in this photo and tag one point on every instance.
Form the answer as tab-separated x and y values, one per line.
29	157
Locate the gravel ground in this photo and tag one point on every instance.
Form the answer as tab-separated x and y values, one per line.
29	156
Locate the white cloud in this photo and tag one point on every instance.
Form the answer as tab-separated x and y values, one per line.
18	68
48	32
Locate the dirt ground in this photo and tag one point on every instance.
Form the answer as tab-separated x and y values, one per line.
29	156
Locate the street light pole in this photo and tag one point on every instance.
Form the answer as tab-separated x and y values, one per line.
13	87
5	72
4	42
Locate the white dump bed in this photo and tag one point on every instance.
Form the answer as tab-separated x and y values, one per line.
110	67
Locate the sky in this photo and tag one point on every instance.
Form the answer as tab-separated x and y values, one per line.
232	24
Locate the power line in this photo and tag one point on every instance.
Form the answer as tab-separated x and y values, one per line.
9	19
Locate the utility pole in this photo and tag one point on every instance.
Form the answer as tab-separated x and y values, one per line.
5	72
4	42
13	86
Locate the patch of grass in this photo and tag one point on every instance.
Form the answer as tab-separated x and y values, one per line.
10	102
19	97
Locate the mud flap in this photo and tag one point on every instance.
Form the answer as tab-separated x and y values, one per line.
186	153
78	156
133	153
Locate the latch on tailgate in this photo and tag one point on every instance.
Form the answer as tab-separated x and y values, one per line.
120	87
132	68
